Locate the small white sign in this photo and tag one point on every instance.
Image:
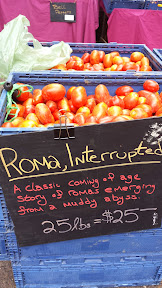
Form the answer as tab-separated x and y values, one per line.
69	17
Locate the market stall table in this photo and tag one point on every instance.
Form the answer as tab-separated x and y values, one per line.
38	13
135	26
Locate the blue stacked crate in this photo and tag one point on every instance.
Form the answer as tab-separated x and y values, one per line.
124	50
129	4
158	53
126	259
153	4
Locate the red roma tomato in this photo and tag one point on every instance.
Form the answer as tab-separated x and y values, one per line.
79	119
29	109
70	115
73	109
79	97
54	92
114	67
154	102
102	94
131	66
138	113
70	65
28	124
100	110
126	59
95	57
56	114
121	118
144	93
33	117
147	108
114	53
107	60
145	61
98	67
85	57
105	119
43	113
7	125
117	60
123	90
91	119
21	109
126	112
84	110
25	95
146	68
17	121
114	111
91	103
87	66
151	86
136	56
141	100
116	101
79	65
69	91
60	67
37	96
52	105
102	54
64	120
63	106
159	111
120	67
131	100
28	102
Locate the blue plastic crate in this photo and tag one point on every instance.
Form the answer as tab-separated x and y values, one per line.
3	247
129	4
158	53
153	4
138	246
88	80
124	50
111	260
96	275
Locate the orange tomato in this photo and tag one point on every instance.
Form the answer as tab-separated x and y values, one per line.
147	108
102	94
69	91
100	110
43	113
138	113
79	97
117	60
53	91
33	117
95	57
131	100
37	96
107	60
7	125
136	56
28	124
17	121
13	111
114	111
84	110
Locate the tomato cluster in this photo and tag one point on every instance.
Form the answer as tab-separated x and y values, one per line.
99	61
53	104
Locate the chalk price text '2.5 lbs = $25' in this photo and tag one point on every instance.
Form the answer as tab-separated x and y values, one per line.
107	217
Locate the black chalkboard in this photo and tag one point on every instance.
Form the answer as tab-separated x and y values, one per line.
63	12
105	180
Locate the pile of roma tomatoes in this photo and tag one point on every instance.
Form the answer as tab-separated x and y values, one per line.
99	61
53	104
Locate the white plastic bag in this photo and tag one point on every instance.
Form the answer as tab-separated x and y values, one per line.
17	55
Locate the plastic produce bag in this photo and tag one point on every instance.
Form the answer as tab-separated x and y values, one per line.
17	55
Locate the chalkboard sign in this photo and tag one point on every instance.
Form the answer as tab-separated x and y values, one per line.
106	180
63	12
